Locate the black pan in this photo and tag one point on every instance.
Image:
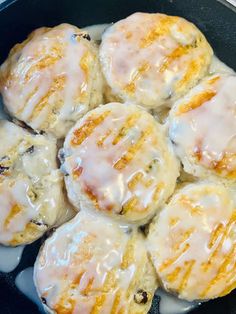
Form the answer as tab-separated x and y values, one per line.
217	20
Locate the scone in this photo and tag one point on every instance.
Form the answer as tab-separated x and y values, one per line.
52	79
193	242
94	265
153	59
203	128
118	159
31	187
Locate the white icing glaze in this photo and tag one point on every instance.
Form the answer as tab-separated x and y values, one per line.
169	304
96	31
24	282
30	185
206	134
217	66
134	145
152	59
10	258
15	194
192	243
82	255
55	66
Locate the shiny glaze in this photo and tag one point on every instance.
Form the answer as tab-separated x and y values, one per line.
193	242
170	304
74	269
47	80
203	127
152	59
96	31
217	66
24	282
31	194
10	258
119	160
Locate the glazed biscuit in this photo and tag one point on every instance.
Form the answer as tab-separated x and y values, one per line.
118	159
153	59
94	265
31	187
52	79
193	242
203	128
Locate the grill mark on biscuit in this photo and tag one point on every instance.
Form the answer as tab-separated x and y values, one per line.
191	71
174	221
57	85
224	234
132	183
230	287
171	277
129	205
66	304
196	101
222	165
28	98
170	261
221	271
84	64
131	86
43	63
15	210
175	54
215	235
76	281
158	189
102	139
185	236
213	80
185	201
99	301
81	134
116	302
88	288
162	28
110	281
128	256
188	266
77	172
133	150
128	124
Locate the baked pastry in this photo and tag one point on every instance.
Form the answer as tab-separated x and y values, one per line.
193	242
203	128
31	188
153	59
118	159
52	79
94	265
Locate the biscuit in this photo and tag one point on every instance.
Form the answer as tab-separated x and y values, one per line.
118	159
31	188
193	242
94	265
203	128
153	59
52	79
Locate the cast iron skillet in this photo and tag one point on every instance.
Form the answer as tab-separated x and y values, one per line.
19	17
